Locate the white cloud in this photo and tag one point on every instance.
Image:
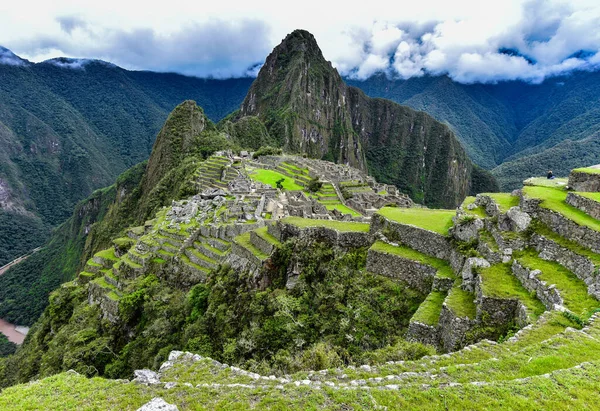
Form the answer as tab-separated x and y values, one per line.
469	40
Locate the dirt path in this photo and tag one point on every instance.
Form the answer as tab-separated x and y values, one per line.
16	261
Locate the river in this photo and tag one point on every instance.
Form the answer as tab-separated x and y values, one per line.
10	331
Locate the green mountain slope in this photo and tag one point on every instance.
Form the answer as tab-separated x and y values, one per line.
67	131
508	121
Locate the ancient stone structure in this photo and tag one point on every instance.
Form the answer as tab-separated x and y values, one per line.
585	181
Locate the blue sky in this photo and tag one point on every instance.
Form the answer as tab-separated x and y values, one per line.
471	41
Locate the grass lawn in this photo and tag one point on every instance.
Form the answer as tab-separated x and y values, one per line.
572	289
336	225
444	269
271	177
544	182
461	302
498	281
430	309
554	199
438	221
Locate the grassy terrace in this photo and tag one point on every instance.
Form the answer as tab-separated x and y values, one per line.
554	199
498	281
544	230
444	269
265	235
461	302
544	182
588	170
572	289
271	177
108	254
244	241
430	309
591	196
504	200
438	221
336	225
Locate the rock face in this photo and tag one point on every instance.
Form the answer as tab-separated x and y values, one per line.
307	108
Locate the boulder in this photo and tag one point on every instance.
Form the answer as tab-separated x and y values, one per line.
519	220
467	229
468	273
147	377
158	404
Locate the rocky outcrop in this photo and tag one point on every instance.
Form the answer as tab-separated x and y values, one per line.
158	404
466	228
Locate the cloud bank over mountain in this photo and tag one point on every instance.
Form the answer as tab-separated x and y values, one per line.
468	40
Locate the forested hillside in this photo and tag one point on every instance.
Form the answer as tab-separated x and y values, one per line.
503	125
68	127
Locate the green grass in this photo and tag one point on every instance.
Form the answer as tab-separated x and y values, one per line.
554	199
504	200
108	254
438	221
587	170
271	177
430	309
336	225
591	196
461	302
544	182
186	260
498	281
545	231
342	209
244	241
478	211
444	269
489	239
572	289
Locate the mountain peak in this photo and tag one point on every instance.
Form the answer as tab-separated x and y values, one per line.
9	58
299	41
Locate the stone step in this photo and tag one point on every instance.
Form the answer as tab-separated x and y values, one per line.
110	278
93	267
209	251
217	243
198	258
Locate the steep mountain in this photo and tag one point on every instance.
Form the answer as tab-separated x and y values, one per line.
307	108
503	125
70	126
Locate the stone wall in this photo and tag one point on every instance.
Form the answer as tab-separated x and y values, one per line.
453	330
260	243
496	311
564	227
427	242
110	308
580	181
416	275
344	239
423	333
587	205
581	266
547	294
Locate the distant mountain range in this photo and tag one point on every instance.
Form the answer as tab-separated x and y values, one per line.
69	126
